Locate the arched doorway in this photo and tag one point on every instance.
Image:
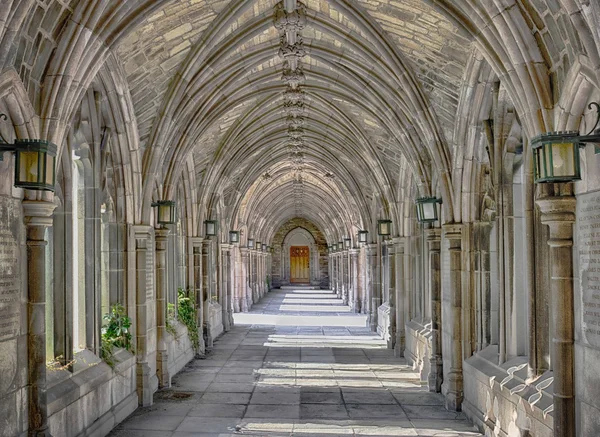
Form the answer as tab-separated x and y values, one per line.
300	264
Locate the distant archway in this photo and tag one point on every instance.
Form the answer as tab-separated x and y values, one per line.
300	237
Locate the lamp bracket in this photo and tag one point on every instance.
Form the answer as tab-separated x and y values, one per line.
596	128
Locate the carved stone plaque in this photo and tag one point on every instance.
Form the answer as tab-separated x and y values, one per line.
10	273
588	239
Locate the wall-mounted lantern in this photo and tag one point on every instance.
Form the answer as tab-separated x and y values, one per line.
427	211
271	249
362	236
329	248
384	227
234	237
556	154
250	243
210	228
347	243
264	247
35	162
258	245
166	212
340	245
334	248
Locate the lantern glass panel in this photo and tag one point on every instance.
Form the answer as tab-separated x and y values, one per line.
264	247
50	164
385	227
563	160
347	243
258	245
210	228
335	247
362	236
234	237
28	170
250	243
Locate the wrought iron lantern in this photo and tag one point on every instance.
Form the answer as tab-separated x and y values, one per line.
264	247
362	236
329	248
556	154
427	211
258	245
384	227
210	228
271	249
340	245
234	237
35	163
347	243
250	243
166	212
334	248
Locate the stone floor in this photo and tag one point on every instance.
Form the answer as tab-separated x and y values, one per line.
300	364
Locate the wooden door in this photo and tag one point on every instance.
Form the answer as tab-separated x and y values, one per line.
299	264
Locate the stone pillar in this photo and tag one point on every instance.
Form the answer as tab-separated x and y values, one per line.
38	217
225	285
334	279
244	281
236	270
399	289
391	284
207	290
344	275
559	214
355	297
162	353
254	276
435	291
147	380
373	284
452	387
196	243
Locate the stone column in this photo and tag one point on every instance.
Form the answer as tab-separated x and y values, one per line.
391	284
355	297
38	217
196	243
236	270
254	276
399	286
225	285
245	291
334	283
344	273
147	380
207	290
559	214
435	291
374	284
162	356
452	387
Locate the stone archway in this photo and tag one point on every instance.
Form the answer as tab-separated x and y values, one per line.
300	237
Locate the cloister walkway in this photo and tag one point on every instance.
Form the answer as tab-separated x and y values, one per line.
299	364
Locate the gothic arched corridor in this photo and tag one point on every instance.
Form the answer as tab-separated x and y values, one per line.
268	376
402	183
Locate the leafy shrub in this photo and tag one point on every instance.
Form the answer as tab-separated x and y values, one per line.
186	313
115	333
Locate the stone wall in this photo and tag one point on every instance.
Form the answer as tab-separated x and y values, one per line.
13	309
319	239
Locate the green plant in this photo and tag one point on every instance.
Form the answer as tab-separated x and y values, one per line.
186	313
169	326
115	333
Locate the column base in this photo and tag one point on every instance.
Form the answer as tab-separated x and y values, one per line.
434	379
40	433
162	369
453	392
146	384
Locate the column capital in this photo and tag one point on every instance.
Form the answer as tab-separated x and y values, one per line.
354	252
161	233
558	212
38	212
452	231
226	247
433	234
196	241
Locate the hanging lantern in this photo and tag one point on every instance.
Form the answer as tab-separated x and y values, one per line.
384	227
210	228
35	163
258	245
334	248
427	211
556	157
166	212
250	243
329	248
347	243
264	247
362	236
234	237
